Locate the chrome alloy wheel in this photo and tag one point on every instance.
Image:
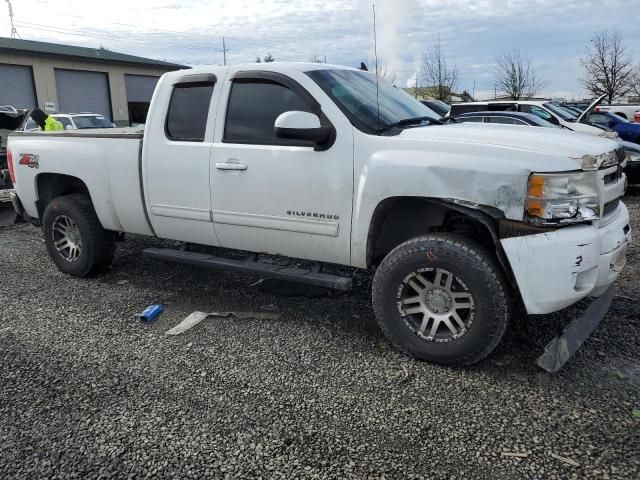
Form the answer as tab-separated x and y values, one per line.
436	305
66	238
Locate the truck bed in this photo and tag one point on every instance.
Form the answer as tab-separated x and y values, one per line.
108	161
131	133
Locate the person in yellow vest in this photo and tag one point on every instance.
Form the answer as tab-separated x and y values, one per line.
46	122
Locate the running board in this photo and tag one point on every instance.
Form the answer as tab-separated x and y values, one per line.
252	266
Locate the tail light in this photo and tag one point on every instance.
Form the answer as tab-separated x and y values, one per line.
10	165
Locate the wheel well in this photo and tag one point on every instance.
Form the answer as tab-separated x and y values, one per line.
399	219
52	185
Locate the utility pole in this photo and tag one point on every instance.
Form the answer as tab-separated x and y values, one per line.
325	59
14	32
224	51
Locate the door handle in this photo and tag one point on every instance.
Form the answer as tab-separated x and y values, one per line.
231	166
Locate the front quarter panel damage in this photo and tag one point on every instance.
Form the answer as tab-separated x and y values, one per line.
486	175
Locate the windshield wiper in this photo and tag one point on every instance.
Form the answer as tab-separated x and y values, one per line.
407	122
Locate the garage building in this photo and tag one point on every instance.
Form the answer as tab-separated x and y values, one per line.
68	79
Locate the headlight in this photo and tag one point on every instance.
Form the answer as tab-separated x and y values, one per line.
594	162
562	198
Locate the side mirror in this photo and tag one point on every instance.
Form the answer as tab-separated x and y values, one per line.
297	125
68	127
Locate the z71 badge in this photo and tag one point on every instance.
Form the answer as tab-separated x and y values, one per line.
30	160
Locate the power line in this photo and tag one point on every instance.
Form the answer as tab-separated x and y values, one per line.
126	38
245	40
14	32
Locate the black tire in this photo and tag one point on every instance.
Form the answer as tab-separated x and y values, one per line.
474	274
97	244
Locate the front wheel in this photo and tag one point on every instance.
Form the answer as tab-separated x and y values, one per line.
441	298
74	237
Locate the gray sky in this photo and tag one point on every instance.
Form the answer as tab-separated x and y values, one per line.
554	34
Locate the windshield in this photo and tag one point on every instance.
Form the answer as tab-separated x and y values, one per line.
355	93
92	122
563	113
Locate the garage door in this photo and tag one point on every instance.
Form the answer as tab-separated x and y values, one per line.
16	86
80	91
140	87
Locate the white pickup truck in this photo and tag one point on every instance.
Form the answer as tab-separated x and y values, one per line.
460	223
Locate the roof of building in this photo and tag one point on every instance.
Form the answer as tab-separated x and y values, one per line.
14	45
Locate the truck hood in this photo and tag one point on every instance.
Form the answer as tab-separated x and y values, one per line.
536	139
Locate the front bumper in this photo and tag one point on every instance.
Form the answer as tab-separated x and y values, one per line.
559	268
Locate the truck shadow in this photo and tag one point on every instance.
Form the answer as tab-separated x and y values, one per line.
341	314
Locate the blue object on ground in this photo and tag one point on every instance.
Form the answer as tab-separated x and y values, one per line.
152	312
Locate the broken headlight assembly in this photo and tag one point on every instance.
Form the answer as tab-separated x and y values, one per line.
594	162
562	198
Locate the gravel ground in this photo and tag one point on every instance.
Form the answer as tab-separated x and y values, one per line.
87	392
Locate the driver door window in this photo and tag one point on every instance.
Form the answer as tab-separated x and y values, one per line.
254	106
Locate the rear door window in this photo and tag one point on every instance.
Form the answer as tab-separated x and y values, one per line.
188	112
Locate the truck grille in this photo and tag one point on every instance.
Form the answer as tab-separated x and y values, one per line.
610	207
613	177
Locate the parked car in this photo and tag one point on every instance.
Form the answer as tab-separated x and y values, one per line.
74	121
631	150
546	110
507	118
438	106
625	111
460	222
626	129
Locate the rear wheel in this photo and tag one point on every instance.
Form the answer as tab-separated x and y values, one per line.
441	298
74	237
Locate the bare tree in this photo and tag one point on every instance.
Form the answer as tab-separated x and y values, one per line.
635	84
268	59
608	69
515	76
437	74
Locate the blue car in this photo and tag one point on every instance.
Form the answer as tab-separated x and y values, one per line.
627	130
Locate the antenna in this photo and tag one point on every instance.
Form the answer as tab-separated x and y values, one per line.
224	51
375	53
14	32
